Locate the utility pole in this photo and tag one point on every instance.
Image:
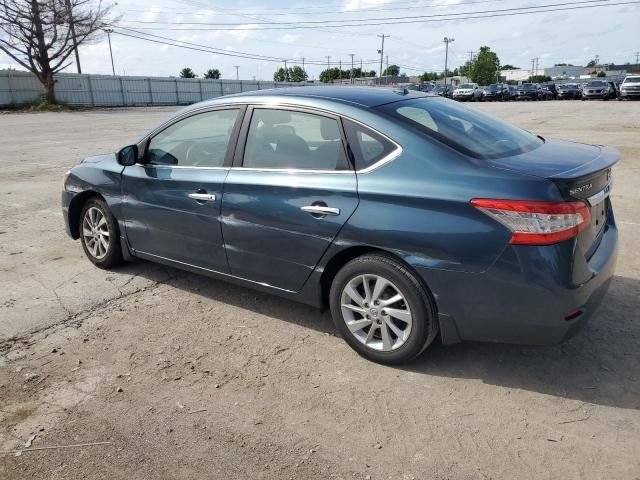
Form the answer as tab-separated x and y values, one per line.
237	73
361	71
351	55
286	72
386	77
329	68
536	73
446	41
72	29
304	72
381	52
471	55
637	57
109	31
533	62
340	67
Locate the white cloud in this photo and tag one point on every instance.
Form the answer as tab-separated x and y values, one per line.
289	38
355	5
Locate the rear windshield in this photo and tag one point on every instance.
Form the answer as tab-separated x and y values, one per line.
464	129
466	85
632	80
493	86
598	84
528	86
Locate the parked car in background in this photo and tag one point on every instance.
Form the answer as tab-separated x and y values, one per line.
553	89
409	216
630	87
496	91
597	89
528	91
614	90
569	91
467	92
443	91
545	92
513	92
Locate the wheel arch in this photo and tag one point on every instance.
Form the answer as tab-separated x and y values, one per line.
341	258
75	209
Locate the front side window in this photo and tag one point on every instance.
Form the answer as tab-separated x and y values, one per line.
197	141
467	130
283	139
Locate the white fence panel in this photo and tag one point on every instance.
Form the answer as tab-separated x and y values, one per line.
116	91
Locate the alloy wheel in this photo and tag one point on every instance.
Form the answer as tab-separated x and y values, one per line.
376	312
95	231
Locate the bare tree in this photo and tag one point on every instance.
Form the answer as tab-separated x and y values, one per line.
41	35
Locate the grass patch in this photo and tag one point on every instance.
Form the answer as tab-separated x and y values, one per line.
40	105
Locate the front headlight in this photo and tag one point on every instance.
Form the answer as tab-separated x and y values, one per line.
65	177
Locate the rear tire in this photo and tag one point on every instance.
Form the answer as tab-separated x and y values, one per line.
377	292
99	234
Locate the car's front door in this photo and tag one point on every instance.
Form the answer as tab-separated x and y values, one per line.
289	193
171	202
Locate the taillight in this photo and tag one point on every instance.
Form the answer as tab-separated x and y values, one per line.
537	223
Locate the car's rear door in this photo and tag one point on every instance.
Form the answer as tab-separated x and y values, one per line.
172	200
290	191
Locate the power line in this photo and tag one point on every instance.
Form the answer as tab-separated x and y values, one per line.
303	11
415	18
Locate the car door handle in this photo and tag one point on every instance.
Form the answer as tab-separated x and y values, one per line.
202	197
320	210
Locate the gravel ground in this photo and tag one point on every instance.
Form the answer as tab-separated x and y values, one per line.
158	373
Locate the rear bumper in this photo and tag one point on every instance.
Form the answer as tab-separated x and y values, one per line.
524	297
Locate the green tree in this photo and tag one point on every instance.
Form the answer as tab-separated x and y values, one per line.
213	74
594	62
392	70
485	67
509	67
187	73
291	74
297	74
539	78
601	74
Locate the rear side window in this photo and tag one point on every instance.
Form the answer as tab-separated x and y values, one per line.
368	147
467	130
197	141
283	139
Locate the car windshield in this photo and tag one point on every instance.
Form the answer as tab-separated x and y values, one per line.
493	86
632	80
466	86
467	130
528	86
598	84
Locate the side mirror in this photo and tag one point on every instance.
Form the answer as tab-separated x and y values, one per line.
128	156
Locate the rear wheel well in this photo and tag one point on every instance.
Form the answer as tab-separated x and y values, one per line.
75	208
343	257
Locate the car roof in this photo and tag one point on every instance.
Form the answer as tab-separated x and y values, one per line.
360	96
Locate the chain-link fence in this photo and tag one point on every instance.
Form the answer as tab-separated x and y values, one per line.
118	91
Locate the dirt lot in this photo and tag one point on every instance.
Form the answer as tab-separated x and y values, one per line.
187	377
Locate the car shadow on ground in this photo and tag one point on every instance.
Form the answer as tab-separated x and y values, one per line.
600	365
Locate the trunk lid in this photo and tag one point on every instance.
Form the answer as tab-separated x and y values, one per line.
580	171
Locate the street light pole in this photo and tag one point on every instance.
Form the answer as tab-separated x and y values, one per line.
72	29
237	67
109	31
447	41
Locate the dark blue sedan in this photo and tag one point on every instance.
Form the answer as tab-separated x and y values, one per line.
409	215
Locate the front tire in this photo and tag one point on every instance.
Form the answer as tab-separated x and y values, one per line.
99	234
382	310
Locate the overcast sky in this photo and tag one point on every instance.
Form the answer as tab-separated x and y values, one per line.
574	36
